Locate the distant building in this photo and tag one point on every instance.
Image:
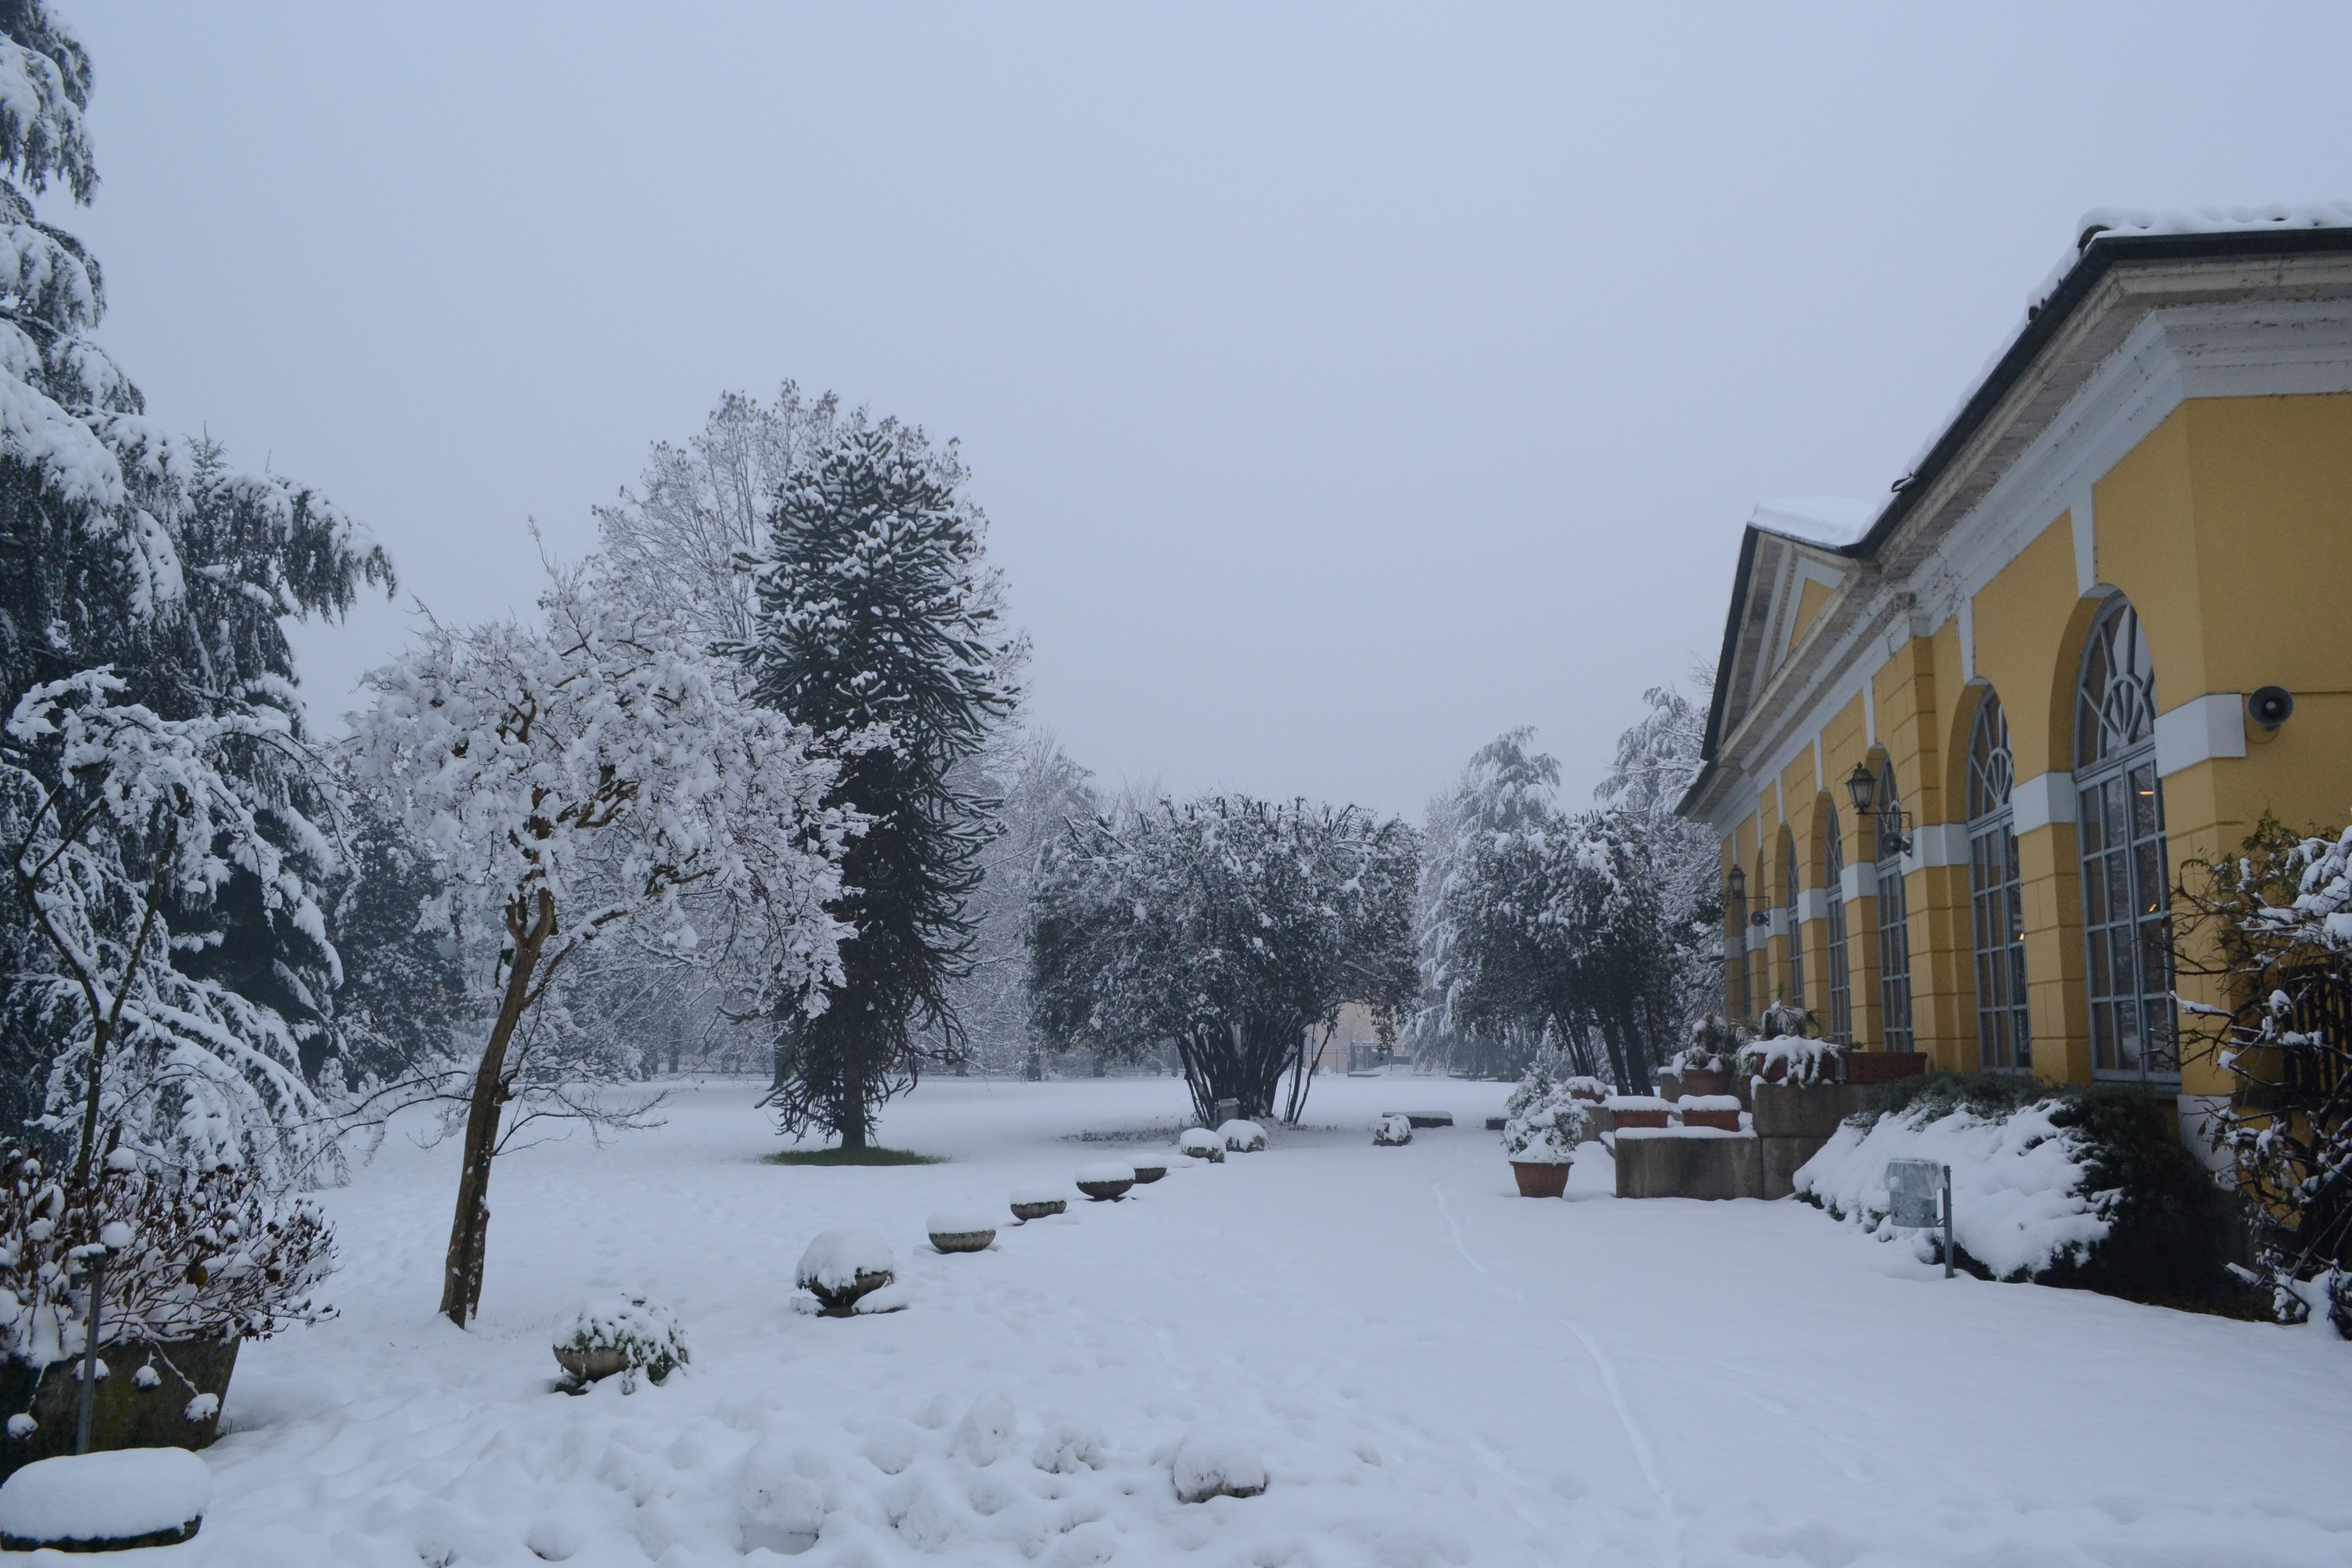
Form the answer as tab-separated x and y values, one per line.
2058	652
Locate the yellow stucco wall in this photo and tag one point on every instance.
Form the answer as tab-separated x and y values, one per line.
2229	529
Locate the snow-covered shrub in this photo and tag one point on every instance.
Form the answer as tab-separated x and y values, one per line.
1714	1046
1543	1123
202	1255
1785	1017
2066	1185
1392	1130
105	1502
1585	1086
1215	1464
2269	932
1243	1136
1790	1059
641	1336
842	1267
1202	1144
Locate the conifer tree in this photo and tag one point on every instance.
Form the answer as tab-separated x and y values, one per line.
878	629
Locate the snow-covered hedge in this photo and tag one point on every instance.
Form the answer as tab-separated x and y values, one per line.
2064	1185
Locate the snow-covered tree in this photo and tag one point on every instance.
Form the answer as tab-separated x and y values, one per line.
1657	762
879	629
1233	928
681	537
130	548
2268	932
588	779
1042	791
116	818
1505	787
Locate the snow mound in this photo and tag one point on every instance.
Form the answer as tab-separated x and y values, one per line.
963	1221
1243	1137
105	1496
1202	1144
2017	1203
835	1259
1831	520
1207	1466
1068	1448
1392	1131
1107	1171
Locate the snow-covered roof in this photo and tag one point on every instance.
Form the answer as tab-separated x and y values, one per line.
1831	520
2121	223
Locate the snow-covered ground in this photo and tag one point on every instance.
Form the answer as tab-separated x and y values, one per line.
1430	1369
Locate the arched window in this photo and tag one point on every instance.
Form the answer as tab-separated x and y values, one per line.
1894	926
1790	883
2127	902
1996	896
1834	886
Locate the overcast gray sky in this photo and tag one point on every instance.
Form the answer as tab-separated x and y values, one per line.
1344	383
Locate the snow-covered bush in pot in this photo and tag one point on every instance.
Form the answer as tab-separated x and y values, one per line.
1202	1144
1543	1123
1791	1059
842	1268
1243	1136
626	1334
1715	1043
202	1255
1393	1132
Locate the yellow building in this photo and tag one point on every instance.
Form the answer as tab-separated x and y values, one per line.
2058	652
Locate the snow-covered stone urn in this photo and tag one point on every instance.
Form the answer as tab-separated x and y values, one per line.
119	1501
624	1335
1036	1203
1147	1174
1202	1144
1392	1131
842	1268
1108	1181
1243	1136
961	1230
1543	1125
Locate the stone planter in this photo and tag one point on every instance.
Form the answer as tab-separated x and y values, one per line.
1541	1181
1147	1174
962	1240
124	1501
1884	1066
1689	1163
588	1366
1024	1213
841	1300
1721	1120
1642	1118
161	1394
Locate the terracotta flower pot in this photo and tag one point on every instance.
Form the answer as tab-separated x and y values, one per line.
1884	1066
1642	1119
1728	1120
1701	1082
1541	1181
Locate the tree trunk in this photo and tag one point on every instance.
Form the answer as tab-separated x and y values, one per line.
461	1277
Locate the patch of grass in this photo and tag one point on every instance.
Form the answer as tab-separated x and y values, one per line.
868	1156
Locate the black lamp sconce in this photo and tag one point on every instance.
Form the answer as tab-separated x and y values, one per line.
1894	823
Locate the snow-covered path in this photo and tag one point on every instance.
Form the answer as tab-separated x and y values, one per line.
1433	1370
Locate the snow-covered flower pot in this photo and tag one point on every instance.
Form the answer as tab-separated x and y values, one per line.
1639	1110
1037	1203
1541	1179
1706	1082
624	1335
1792	1058
151	1394
1243	1136
1106	1183
842	1267
1205	1466
961	1230
105	1502
1589	1090
1392	1131
1202	1144
1717	1111
1147	1174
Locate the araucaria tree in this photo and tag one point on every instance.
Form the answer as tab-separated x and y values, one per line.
1233	928
582	781
879	630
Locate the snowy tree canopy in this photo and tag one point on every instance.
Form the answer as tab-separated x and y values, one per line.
1229	926
592	775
